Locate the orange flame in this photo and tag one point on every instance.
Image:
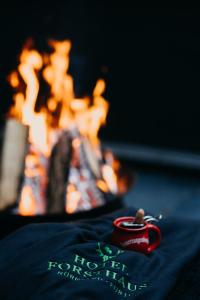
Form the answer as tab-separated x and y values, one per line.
14	80
110	178
60	82
98	111
86	115
56	72
73	197
27	205
30	60
24	105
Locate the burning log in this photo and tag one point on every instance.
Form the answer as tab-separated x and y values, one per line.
58	174
12	161
32	197
82	192
91	156
65	169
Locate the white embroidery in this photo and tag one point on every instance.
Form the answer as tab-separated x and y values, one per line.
136	241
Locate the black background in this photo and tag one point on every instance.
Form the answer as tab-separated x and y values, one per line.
150	58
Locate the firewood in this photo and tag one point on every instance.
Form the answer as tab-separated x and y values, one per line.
91	157
12	161
58	174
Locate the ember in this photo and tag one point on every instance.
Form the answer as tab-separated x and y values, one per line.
65	167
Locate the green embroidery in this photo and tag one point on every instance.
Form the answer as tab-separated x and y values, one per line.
106	253
112	272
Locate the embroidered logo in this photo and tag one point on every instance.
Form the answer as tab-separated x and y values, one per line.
106	253
108	270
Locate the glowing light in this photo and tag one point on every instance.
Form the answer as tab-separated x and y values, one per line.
27	205
73	197
62	111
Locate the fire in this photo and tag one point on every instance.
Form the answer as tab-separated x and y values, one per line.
30	61
73	197
110	178
56	72
27	205
24	105
62	112
14	80
98	111
60	82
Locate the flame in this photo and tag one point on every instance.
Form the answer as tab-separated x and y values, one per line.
38	133
98	111
110	178
102	185
56	72
63	111
30	61
73	197
24	105
16	110
27	204
14	80
81	113
52	104
60	82
89	118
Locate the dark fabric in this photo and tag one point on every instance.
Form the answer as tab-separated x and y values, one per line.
187	286
10	222
76	261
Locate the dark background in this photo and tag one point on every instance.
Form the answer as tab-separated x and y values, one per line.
150	58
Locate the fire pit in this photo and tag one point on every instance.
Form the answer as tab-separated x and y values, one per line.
52	161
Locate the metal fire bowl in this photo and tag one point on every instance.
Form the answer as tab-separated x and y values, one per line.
10	222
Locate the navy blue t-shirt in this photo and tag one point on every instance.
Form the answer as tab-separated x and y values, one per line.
77	261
